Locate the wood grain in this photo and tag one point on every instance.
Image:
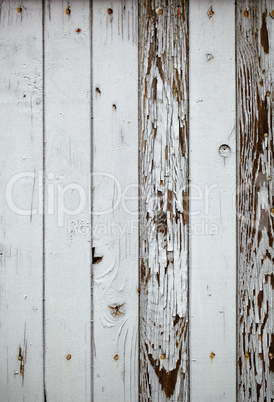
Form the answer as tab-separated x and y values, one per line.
255	66
21	169
163	50
115	200
212	146
67	195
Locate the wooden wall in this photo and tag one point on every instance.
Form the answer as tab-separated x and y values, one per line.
136	203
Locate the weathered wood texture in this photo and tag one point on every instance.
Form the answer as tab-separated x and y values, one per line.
163	34
115	213
212	200
255	66
21	345
67	210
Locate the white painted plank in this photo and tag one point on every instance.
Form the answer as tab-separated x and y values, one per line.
21	235
115	217
212	201
67	213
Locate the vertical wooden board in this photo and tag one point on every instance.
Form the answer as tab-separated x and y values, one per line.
115	215
255	66
21	235
164	200
212	201
67	210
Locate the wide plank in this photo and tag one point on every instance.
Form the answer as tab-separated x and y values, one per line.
255	67
67	41
163	58
21	201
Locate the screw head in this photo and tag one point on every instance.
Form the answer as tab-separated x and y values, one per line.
224	150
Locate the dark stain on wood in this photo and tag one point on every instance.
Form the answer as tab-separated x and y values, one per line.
264	34
167	379
95	259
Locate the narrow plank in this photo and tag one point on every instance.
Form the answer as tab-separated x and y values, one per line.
67	210
164	200
255	66
212	201
115	216
21	234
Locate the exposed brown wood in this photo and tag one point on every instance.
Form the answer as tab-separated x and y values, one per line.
255	200
164	204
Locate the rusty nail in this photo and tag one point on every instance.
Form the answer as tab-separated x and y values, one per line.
162	357
247	354
97	90
270	355
268	94
116	357
68	357
159	11
272	13
114	106
212	355
210	12
19	9
246	13
265	135
68	10
272	211
109	11
268	178
78	30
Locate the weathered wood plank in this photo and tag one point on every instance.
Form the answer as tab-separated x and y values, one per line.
21	234
67	210
212	201
255	66
115	216
164	200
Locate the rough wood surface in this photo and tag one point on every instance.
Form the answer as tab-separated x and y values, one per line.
212	149
115	200
67	195
21	250
255	51
164	208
